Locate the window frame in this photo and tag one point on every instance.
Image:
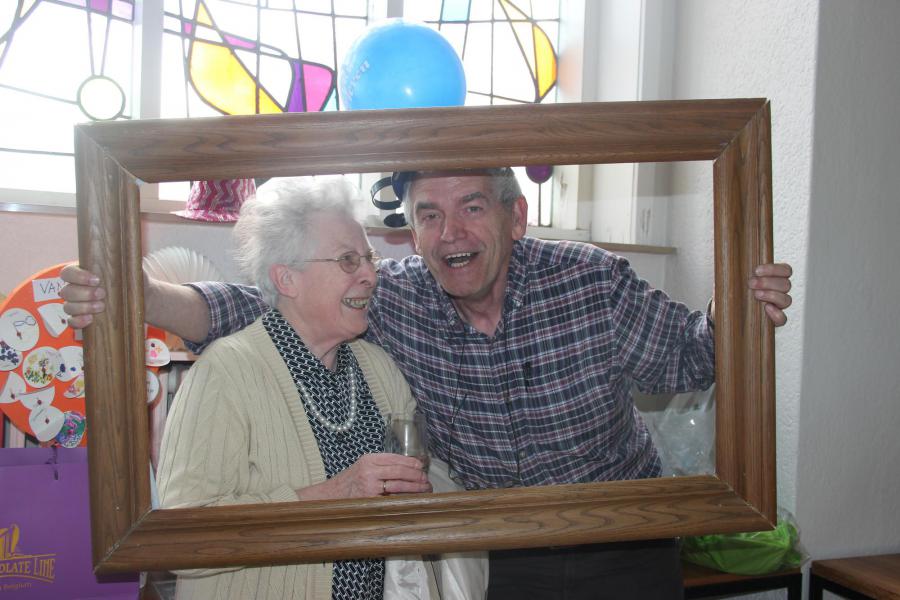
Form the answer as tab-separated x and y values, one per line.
113	159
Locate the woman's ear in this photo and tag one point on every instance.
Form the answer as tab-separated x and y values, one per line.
285	280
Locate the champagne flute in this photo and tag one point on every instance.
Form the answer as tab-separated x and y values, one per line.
406	435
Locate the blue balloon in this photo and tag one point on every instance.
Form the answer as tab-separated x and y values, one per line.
401	64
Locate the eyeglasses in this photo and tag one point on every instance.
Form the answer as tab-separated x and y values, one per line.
350	261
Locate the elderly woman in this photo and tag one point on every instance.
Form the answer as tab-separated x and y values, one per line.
292	407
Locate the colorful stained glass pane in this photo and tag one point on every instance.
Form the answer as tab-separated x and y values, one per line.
545	62
455	10
254	56
516	49
263	57
319	85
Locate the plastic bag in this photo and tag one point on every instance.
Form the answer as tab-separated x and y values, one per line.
753	553
683	428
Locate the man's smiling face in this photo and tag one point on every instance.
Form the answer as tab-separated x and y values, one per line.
465	234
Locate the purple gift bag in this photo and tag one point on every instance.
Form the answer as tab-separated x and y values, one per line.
45	531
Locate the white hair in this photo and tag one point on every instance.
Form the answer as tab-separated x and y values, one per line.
277	225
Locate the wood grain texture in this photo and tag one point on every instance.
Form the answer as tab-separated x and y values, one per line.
745	343
314	531
426	138
111	160
698	576
108	219
875	576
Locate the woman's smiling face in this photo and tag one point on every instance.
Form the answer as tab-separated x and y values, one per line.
332	304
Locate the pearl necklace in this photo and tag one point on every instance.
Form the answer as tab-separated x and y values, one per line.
321	418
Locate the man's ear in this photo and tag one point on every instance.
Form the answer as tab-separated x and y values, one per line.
519	214
285	280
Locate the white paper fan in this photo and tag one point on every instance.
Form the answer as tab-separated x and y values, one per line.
176	264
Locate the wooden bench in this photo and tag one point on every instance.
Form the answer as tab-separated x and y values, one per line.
856	578
700	582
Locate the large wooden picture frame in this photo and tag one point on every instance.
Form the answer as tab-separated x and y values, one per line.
114	158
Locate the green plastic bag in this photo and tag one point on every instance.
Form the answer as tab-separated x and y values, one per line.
752	553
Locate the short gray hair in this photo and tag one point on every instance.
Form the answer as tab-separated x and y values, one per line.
276	225
504	184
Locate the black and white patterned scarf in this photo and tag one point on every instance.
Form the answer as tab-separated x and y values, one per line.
352	579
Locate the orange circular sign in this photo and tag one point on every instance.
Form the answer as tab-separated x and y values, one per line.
41	363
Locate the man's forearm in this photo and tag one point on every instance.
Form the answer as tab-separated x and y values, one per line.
178	309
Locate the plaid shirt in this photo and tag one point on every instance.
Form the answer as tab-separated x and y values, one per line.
547	398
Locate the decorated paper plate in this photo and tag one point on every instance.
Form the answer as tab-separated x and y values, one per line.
71	363
40	366
12	389
10	358
153	387
19	328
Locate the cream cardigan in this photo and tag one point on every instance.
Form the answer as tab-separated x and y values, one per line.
238	434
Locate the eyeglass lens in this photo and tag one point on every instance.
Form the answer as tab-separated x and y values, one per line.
350	262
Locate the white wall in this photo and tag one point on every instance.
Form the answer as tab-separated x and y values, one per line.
35	241
848	481
733	49
829	69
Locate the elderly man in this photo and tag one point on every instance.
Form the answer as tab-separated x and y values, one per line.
522	353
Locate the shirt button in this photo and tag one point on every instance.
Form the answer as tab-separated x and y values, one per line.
522	454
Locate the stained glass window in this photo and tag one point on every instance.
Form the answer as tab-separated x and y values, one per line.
231	57
62	62
508	47
239	57
68	61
